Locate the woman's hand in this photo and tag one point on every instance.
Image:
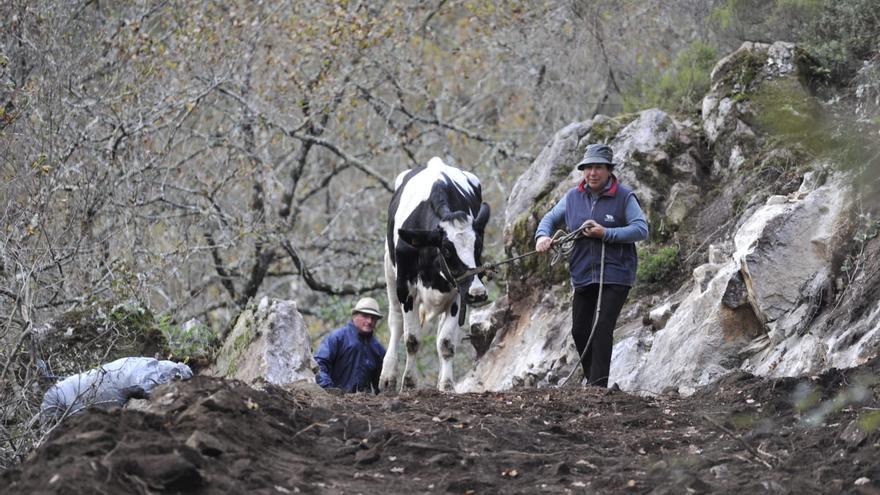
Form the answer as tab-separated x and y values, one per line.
593	229
543	243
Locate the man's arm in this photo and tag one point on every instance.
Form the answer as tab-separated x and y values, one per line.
326	358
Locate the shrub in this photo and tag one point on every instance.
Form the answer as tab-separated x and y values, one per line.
187	342
657	264
677	88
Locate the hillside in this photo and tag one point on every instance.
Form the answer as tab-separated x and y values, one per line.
169	167
741	435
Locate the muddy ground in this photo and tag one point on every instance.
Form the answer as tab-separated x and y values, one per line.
743	435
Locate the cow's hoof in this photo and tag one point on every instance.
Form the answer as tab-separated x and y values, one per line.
409	383
446	386
388	384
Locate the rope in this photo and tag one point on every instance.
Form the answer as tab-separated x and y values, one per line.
562	243
595	319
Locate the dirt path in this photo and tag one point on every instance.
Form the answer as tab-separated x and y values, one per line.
744	435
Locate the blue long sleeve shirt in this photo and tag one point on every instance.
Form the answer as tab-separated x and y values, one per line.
636	228
350	361
617	210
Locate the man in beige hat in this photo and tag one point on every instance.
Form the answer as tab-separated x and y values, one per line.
350	357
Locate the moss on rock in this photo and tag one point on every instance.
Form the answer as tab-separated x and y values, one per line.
739	74
241	336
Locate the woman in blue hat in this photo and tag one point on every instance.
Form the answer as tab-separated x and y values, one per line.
603	262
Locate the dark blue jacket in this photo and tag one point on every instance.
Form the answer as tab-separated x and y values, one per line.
618	210
349	360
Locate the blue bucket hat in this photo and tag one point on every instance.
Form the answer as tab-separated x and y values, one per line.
600	154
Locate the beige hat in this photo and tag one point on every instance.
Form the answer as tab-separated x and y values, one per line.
367	306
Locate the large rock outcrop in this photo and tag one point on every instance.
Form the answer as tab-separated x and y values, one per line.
531	323
268	343
763	295
773	218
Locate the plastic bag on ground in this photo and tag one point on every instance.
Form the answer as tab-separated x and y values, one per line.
111	384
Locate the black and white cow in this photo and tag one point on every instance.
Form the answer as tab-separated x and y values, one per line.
437	211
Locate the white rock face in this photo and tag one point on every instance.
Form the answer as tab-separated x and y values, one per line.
538	346
646	135
780	252
682	199
269	344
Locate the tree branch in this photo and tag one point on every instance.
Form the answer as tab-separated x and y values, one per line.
225	278
319	286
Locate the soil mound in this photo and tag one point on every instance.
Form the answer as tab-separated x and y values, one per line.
743	435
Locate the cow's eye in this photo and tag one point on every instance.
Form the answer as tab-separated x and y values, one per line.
445	251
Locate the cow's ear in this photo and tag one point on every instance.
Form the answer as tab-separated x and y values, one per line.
421	238
482	218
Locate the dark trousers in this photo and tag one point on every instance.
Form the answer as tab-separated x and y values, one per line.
597	360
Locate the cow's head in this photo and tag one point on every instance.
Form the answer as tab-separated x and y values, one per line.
460	241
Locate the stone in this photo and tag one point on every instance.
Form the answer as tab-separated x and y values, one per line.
660	315
736	294
268	343
682	199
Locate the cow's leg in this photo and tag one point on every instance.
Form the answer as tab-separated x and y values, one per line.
388	378
412	334
447	341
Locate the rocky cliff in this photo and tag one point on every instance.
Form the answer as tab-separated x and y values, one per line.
767	210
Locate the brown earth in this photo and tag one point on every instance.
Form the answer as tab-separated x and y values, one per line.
743	435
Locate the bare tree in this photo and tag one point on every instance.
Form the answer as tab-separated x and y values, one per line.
196	155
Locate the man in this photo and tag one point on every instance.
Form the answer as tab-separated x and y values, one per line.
350	357
609	215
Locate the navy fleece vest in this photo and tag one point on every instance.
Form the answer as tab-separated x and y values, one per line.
609	210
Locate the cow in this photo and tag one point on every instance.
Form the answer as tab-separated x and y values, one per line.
434	242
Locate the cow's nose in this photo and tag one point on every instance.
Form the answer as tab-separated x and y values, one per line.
474	300
476	292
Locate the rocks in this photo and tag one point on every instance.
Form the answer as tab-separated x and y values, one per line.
268	343
761	301
728	109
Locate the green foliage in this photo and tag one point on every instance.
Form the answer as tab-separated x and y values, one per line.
838	33
807	398
679	87
792	119
867	228
784	108
742	421
335	310
869	421
657	264
605	129
185	344
741	72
